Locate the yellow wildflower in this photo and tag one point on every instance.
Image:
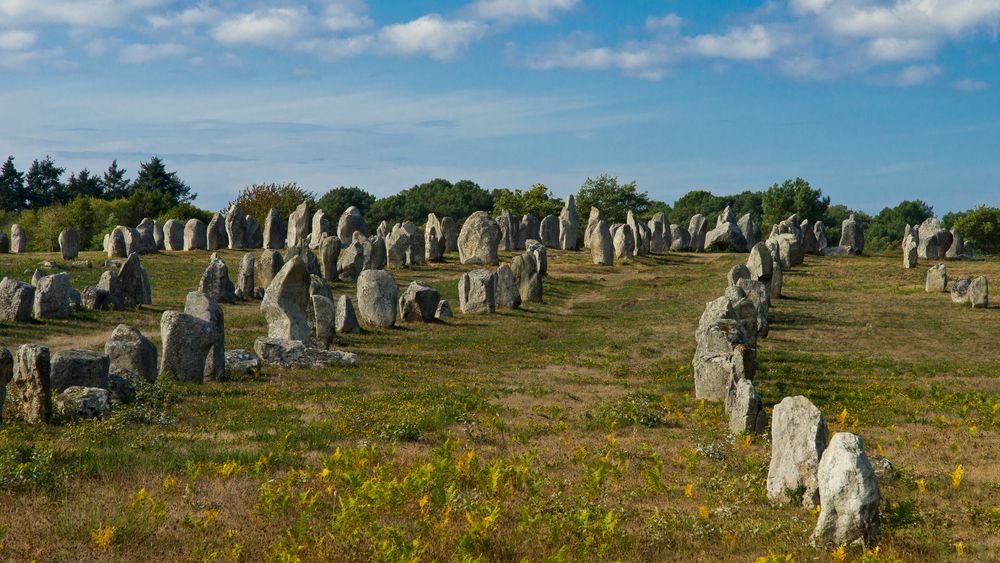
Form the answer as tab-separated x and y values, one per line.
103	537
956	476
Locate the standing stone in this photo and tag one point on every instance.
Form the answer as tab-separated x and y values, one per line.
979	293
187	342
506	294
933	241
415	254
268	265
4	243
94	299
760	263
819	231
18	239
52	297
592	220
78	368
746	413
109	282
438	227
659	237
158	237
195	235
351	261
433	249
960	290
323	315
69	244
173	235
115	244
397	248
299	226
848	494
286	300
329	252
548	229
508	226
529	279
809	243
698	228
215	282
527	231
537	250
569	225
633	224
726	236
377	298
131	353
31	383
419	302
376	256
479	239
450	229
16	300
146	241
957	248
350	221
777	277
274	230
910	247
346	321
680	238
307	256
236	229
6	374
937	279
320	228
852	236
203	307
750	229
624	242
477	292
798	439
216	234
245	284
602	247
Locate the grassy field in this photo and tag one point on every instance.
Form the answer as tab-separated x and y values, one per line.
560	432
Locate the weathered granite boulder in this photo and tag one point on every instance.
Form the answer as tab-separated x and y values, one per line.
957	249
324	314
31	384
506	294
624	242
726	236
215	282
173	235
798	440
641	243
437	226
254	236
216	236
346	321
848	494
236	229
529	279
299	226
416	252
698	229
351	221
602	246
933	241
569	225
450	234
659	236
419	302
202	306
809	243
268	264
479	239
509	226
910	248
16	300
760	263
78	402
477	292
746	413
443	310
433	249
750	230
529	230
146	240
245	279
286	301
680	238
537	250
94	299
397	248
80	368
960	290
790	252
819	231
979	293
351	261
69	244
295	354
937	279
852	235
52	297
329	253
187	343
320	229
195	235
18	239
377	298
134	282
307	256
275	232
130	352
595	216
115	244
548	230
376	256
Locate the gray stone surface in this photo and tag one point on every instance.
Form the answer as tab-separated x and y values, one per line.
18	239
350	222
979	293
509	230
215	282
548	230
195	235
52	297
528	230
16	300
237	229
852	235
295	354
477	292
31	384
69	244
418	303
798	439
299	226
81	368
323	316
215	236
246	278
479	239
269	263
241	363
744	408
849	494
78	402
351	261
130	352
506	294
416	253
286	301
377	298
680	238
937	279
202	306
569	225
528	278
750	230
443	310
329	253
697	229
602	246
624	242
95	299
173	235
346	321
537	250
320	229
375	253
187	342
146	239
274	233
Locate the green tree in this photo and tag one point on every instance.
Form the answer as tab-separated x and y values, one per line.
43	184
154	178
12	190
83	184
793	196
537	200
257	200
885	231
614	199
336	200
981	227
116	185
458	201
693	203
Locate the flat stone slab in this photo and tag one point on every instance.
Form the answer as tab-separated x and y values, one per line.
295	354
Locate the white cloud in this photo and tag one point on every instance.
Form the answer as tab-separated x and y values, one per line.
346	15
336	49
87	13
261	27
191	17
742	43
908	18
138	53
894	49
639	61
16	40
916	75
431	35
666	21
970	85
507	10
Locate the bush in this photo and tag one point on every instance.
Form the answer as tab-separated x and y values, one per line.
780	201
981	226
257	200
614	200
538	201
334	202
458	201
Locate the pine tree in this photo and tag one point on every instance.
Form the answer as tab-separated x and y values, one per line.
153	177
12	193
43	185
83	184
116	186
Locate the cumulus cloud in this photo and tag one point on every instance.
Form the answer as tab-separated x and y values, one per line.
16	40
191	17
346	15
139	53
431	35
970	85
666	21
87	13
636	61
915	75
743	43
539	10
261	27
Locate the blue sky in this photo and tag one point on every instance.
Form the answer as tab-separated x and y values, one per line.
873	101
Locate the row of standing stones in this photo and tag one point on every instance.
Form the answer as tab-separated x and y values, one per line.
930	241
834	474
